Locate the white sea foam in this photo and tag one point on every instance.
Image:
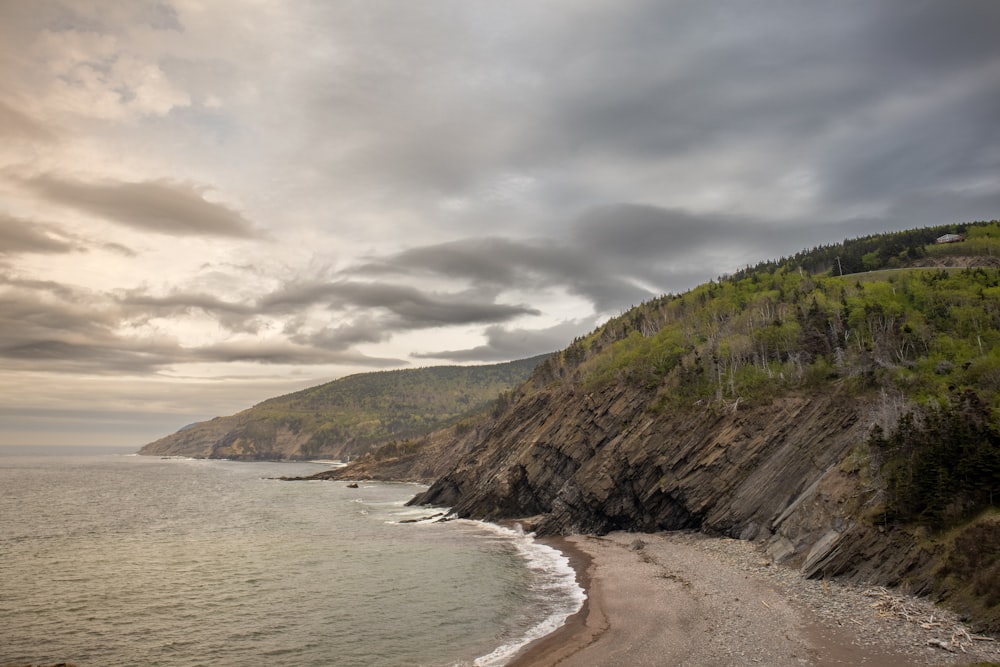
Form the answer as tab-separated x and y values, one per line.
416	515
554	577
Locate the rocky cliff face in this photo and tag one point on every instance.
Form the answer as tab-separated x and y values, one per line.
783	472
603	461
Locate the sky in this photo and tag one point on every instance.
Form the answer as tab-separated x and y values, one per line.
204	204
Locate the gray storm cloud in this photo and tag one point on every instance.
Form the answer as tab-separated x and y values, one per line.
19	236
159	206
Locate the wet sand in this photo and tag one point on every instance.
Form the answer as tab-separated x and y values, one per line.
665	600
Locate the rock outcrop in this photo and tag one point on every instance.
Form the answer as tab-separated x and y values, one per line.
597	462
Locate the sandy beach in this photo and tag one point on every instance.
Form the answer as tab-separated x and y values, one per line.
685	599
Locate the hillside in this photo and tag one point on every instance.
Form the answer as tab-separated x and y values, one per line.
349	416
847	421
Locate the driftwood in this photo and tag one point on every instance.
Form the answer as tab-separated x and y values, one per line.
959	639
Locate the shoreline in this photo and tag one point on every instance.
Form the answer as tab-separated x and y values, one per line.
688	599
578	630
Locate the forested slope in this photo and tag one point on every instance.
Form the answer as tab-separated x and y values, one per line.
349	416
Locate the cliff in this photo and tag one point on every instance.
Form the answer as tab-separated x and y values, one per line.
778	471
792	473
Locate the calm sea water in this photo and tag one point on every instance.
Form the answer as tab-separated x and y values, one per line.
111	559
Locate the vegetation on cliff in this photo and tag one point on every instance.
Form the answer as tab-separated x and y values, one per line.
924	331
349	416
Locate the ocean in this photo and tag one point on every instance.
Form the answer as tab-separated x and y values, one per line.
108	558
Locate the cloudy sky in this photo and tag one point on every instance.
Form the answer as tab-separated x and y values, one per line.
206	203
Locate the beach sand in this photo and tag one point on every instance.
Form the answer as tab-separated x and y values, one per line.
684	599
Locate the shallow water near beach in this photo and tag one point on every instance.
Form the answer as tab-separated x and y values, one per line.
112	559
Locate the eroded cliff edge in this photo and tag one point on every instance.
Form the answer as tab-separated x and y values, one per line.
602	461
